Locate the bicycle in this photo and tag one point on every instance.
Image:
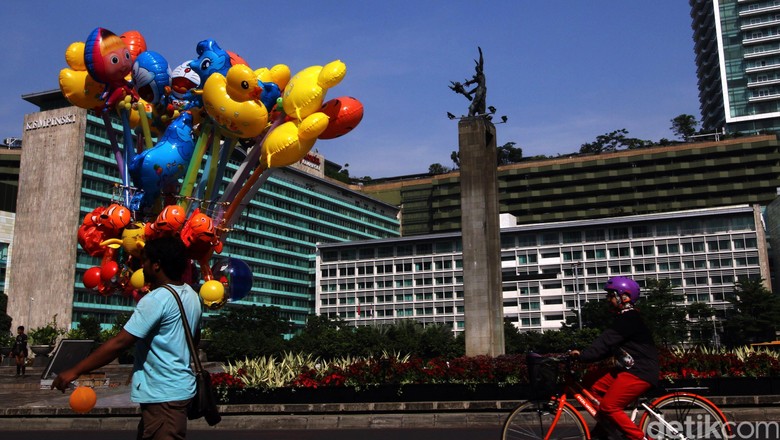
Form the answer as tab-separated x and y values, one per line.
677	414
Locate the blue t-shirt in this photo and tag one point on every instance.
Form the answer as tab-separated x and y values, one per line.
162	370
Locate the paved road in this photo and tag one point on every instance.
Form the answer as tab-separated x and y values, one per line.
309	434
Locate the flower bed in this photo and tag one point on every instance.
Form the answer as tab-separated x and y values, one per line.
390	378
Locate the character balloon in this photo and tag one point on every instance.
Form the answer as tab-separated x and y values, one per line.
161	165
109	61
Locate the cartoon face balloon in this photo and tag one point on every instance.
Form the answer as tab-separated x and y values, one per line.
107	58
211	58
151	75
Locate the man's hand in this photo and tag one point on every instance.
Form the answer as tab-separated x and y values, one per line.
64	379
574	353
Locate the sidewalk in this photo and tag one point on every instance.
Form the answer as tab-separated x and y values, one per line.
23	405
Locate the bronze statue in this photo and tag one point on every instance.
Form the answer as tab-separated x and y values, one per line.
478	93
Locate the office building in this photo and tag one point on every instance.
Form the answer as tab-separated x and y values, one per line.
546	268
68	169
642	181
737	46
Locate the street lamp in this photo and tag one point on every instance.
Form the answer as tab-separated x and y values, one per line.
577	292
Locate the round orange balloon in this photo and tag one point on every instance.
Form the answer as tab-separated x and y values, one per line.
83	399
135	43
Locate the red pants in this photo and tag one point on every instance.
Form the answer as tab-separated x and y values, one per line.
616	389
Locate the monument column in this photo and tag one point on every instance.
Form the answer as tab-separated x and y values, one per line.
481	237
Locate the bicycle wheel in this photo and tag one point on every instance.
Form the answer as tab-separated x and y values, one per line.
532	421
690	415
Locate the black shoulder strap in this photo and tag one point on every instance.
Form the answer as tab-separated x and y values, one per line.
187	332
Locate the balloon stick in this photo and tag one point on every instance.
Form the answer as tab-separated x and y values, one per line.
145	125
238	201
129	152
192	171
120	161
211	166
216	180
248	196
249	161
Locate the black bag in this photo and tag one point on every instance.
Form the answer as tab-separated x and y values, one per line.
204	403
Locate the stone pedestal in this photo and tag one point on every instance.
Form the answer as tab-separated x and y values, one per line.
481	237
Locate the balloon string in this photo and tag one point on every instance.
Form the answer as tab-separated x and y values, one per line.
192	170
145	125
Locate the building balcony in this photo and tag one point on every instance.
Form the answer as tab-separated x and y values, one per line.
770	82
767	68
763	24
758	11
753	55
761	40
765	98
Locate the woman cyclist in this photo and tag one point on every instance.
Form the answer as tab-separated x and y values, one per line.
630	342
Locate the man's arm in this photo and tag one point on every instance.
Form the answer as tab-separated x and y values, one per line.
106	353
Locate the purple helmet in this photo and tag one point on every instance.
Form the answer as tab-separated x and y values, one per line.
624	286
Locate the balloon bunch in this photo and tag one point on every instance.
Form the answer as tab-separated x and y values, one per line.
200	109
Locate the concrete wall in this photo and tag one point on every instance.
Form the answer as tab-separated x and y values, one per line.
47	217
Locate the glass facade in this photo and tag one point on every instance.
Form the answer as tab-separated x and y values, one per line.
275	235
545	267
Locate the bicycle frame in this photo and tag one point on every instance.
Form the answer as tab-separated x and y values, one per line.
590	403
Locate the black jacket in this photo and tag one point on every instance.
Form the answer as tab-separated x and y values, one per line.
630	333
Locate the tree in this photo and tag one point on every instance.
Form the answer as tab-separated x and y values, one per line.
507	154
755	315
700	325
684	126
596	314
455	157
616	140
438	168
247	331
662	312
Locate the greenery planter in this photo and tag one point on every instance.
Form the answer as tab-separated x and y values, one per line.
380	393
41	350
5	351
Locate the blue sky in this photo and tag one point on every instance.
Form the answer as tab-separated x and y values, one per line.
562	71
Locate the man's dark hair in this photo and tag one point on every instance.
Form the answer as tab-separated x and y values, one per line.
21	327
170	254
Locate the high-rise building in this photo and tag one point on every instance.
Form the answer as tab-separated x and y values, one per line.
737	46
68	169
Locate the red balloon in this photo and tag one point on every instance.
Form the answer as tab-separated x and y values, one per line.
345	113
135	42
92	278
236	59
109	270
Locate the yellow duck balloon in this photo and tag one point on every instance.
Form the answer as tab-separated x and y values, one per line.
76	85
305	92
233	102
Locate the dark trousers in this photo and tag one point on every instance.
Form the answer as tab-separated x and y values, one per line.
163	421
